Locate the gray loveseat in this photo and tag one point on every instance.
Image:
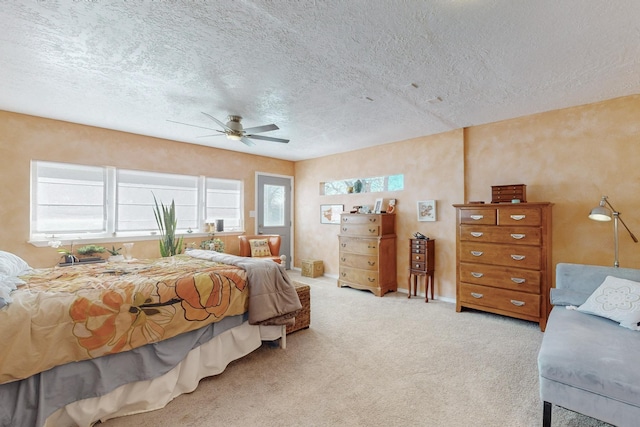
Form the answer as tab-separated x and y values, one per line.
589	364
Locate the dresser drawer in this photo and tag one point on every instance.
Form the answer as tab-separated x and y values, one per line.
478	216
508	255
418	257
511	235
366	262
359	245
360	229
359	276
360	219
501	277
502	299
418	246
521	216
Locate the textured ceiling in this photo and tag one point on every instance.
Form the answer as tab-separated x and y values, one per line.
334	75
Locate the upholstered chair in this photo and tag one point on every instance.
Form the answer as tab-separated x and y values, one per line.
264	246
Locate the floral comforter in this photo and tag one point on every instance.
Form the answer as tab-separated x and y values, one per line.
66	314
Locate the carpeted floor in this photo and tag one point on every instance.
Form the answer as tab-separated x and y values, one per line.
368	361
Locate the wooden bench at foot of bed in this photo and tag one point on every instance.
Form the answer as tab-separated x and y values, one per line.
303	318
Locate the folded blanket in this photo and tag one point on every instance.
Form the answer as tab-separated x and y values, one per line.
273	299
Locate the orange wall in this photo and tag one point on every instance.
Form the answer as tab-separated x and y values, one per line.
23	138
433	170
570	157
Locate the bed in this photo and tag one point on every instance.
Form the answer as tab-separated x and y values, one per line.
86	343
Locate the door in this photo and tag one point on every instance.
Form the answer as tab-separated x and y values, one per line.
274	210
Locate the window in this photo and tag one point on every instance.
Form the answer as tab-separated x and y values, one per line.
68	200
363	185
224	201
135	203
72	201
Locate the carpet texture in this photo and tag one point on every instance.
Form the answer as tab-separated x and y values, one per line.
369	361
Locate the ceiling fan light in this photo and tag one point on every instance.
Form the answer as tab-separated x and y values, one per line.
234	137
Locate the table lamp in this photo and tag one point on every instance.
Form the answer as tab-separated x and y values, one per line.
604	213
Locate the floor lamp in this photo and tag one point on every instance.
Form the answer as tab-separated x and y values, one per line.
604	213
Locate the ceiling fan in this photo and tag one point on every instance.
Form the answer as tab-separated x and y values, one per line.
233	130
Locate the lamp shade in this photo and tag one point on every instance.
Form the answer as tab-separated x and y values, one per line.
600	213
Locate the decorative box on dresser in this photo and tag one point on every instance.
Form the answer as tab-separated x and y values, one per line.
504	259
367	251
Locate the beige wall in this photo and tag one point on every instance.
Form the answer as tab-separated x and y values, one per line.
23	138
433	170
570	157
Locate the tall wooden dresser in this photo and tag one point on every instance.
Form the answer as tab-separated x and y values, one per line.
504	259
368	252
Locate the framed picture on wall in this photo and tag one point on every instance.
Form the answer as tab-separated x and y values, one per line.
427	210
330	214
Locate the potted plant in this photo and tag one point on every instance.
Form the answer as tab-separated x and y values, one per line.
67	255
167	223
212	244
115	254
88	252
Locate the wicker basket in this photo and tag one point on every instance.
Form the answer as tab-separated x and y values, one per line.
303	319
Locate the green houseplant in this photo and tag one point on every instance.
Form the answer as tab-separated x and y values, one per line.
90	250
167	223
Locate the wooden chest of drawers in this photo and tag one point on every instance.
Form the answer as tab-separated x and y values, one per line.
367	251
504	259
422	264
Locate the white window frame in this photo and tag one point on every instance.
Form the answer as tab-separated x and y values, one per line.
110	207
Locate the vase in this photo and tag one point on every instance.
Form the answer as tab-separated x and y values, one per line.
357	186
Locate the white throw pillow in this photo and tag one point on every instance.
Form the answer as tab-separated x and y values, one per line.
616	299
12	265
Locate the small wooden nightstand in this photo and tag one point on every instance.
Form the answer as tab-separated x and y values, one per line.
422	263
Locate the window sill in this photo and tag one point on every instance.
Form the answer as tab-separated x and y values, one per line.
80	240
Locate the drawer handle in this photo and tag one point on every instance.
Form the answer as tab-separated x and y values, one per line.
345	219
417	265
518	257
371	263
518	280
476	234
343	274
476	295
476	275
476	217
373	230
518	236
373	219
345	228
371	280
477	253
417	257
518	217
344	245
371	247
517	303
343	259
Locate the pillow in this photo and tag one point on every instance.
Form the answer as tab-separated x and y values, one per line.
616	299
12	265
10	282
259	247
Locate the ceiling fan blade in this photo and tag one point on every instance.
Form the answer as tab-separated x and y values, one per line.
195	126
247	141
260	129
214	134
267	138
224	126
